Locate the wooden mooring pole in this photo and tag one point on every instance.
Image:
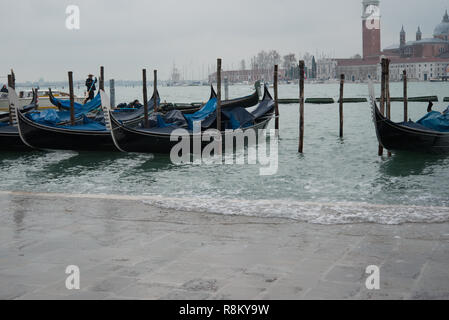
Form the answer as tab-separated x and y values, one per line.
276	98
72	99
112	92
145	98
226	86
301	107
258	85
10	85
342	83
404	78
13	79
101	78
387	91
155	91
219	94
382	98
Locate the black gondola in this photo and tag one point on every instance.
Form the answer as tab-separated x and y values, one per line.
79	137
157	140
90	136
407	136
9	134
10	139
134	117
4	116
243	102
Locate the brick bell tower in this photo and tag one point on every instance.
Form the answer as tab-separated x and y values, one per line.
371	28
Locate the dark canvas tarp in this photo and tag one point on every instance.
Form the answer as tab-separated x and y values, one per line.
79	108
265	106
175	117
134	114
237	117
435	120
207	110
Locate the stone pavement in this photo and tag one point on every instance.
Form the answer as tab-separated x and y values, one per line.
126	249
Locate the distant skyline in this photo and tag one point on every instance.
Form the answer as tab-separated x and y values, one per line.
126	36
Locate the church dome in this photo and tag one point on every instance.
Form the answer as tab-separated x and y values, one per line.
442	30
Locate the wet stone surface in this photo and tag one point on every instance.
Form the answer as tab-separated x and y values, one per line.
126	249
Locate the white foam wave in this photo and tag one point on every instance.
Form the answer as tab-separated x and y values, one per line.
312	212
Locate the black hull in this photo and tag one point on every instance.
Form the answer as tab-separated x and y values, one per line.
9	135
133	118
243	102
10	140
134	140
397	137
44	137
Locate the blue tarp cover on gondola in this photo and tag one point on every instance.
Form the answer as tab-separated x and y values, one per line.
47	117
87	124
175	118
202	114
89	106
51	118
234	118
264	107
238	118
435	120
414	125
160	122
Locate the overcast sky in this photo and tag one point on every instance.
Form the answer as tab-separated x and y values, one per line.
126	36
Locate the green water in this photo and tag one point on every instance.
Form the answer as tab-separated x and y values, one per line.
331	170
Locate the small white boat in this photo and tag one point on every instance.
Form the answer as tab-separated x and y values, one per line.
25	98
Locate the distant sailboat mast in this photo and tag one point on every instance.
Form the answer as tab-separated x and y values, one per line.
175	75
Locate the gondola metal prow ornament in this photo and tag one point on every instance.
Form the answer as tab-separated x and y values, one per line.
106	106
13	105
14	102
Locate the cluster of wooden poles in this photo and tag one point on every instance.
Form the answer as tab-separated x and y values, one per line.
218	108
385	101
101	87
301	104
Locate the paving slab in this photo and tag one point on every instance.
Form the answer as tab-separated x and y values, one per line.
127	249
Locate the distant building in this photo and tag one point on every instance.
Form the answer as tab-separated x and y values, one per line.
313	69
421	69
239	76
371	29
438	46
423	58
327	69
358	69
